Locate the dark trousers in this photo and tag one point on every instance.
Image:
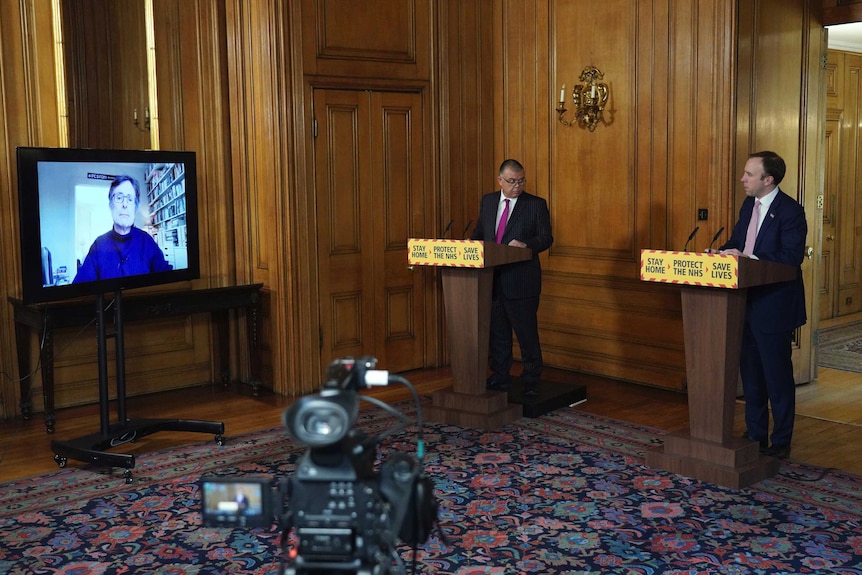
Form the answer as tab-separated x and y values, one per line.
767	381
518	315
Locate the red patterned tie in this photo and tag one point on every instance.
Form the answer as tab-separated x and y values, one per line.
751	234
501	227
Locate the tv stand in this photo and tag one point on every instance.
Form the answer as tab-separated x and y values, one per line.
92	448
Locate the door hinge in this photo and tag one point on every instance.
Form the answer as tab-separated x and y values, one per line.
314	128
820	202
824	61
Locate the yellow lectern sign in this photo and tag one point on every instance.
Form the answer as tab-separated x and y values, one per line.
690	268
455	253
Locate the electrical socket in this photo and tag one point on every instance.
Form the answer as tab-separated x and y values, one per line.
702	214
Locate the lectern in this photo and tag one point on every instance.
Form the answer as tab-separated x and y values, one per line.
714	289
467	269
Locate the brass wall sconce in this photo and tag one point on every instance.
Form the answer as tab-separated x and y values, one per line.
135	121
589	100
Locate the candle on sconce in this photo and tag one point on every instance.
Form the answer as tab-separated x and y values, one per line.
588	97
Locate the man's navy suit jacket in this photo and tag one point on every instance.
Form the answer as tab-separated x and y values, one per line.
777	307
529	222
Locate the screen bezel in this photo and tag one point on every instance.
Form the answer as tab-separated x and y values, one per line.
30	224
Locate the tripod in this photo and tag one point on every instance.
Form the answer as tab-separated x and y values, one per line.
92	448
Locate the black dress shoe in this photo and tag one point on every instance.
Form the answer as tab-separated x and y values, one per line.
498	383
777	451
530	390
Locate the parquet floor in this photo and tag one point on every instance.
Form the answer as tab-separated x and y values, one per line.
828	426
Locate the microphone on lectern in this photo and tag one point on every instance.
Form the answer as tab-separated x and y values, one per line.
448	227
714	238
690	237
464	235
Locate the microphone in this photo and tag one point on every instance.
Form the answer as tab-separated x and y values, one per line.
690	236
715	237
464	236
448	226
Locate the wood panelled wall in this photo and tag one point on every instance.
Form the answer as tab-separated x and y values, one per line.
28	114
695	87
237	80
841	11
637	181
106	73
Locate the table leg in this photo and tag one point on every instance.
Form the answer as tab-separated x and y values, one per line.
252	345
46	355
25	378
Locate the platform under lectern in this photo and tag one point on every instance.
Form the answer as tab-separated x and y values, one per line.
714	289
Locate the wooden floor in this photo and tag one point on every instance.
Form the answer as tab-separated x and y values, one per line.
828	426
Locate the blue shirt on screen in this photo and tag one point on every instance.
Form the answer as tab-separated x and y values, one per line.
113	255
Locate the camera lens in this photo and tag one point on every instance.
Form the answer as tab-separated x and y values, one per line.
320	421
324	423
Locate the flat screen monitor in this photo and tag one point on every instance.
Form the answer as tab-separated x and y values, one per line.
99	221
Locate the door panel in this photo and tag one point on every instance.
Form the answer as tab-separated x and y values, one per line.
369	164
346	307
828	279
848	251
397	150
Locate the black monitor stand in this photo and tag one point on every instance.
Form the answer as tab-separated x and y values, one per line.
91	448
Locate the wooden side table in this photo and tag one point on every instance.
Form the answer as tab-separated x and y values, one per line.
46	317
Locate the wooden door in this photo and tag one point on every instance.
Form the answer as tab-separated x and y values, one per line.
369	177
841	253
848	249
811	186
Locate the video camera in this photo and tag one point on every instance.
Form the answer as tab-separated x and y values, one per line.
345	517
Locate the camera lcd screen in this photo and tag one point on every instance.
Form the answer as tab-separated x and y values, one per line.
245	502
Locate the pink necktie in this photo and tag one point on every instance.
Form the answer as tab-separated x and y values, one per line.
751	234
501	227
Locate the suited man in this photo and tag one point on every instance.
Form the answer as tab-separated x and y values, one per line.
515	300
773	311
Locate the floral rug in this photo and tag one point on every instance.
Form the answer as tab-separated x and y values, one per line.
564	493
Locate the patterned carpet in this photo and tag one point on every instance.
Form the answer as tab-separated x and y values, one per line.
564	493
841	347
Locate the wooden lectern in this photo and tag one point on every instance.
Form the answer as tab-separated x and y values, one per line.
467	268
714	289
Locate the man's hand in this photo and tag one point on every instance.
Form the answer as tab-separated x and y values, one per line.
517	244
733	252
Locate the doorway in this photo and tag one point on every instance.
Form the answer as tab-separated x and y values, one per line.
370	157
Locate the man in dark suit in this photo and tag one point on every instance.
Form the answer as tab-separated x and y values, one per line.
526	223
773	311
